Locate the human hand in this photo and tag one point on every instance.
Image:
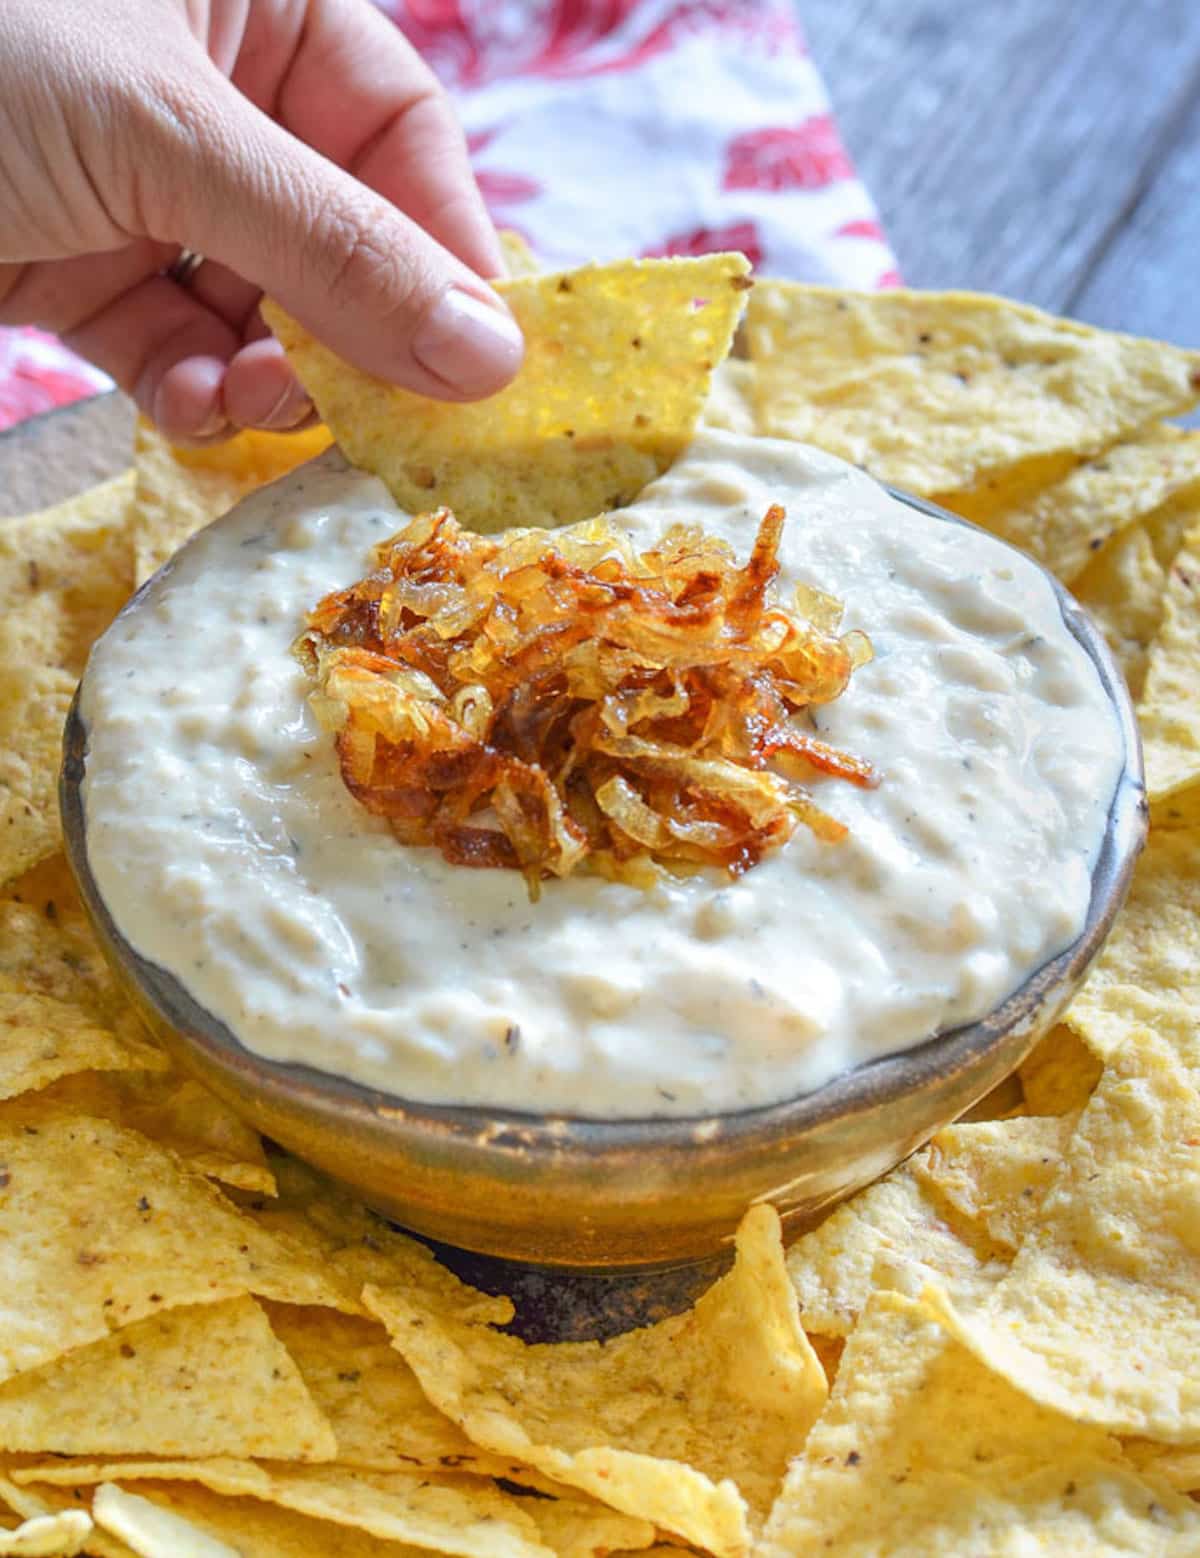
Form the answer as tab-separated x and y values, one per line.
301	146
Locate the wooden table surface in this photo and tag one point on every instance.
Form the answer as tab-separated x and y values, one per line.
1049	149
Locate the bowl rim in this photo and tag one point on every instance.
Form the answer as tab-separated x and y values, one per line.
869	1085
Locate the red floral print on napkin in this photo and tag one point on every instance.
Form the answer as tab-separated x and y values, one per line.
741	236
469	42
805	156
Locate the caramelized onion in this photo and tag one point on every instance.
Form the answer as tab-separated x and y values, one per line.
547	701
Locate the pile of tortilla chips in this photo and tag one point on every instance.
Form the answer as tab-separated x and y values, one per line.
207	1350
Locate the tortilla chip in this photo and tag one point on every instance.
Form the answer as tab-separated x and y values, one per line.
381	1418
1169	711
582	1528
338	1235
922	1453
1099	1316
149	1530
47	1536
1123	590
166	1520
730	403
617	367
42	1039
206	1133
1179	1467
174	1112
1124	585
1065	525
179	491
64	573
938	392
461	1516
1060	1074
35	1504
894	1235
204	1380
34	701
100	1227
1178	811
47	946
519	258
656	1422
995	1173
1149	971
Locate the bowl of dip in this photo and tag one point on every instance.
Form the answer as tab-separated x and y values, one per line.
608	1076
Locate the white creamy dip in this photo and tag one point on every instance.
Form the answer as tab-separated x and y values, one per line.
229	851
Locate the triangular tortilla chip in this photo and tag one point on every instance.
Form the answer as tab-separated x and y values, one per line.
994	1173
730	403
204	1380
582	1528
466	1516
1125	583
34	700
1099	1316
937	392
921	1453
617	366
893	1234
100	1227
64	573
42	1039
519	258
1149	970
179	491
174	1519
167	1520
1066	524
1169	710
47	946
338	1235
1123	591
381	1418
175	1112
674	1423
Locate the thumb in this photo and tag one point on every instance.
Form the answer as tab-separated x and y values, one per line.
354	270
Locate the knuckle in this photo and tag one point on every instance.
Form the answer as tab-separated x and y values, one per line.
174	122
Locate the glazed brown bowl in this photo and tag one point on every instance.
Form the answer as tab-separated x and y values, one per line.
565	1191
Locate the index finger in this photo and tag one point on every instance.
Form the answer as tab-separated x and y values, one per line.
342	78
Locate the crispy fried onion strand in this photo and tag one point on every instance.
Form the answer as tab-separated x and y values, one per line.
545	701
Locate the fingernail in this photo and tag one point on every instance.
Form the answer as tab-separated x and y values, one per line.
215	422
472	346
291	408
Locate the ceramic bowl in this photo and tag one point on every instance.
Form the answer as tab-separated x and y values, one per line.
605	1195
